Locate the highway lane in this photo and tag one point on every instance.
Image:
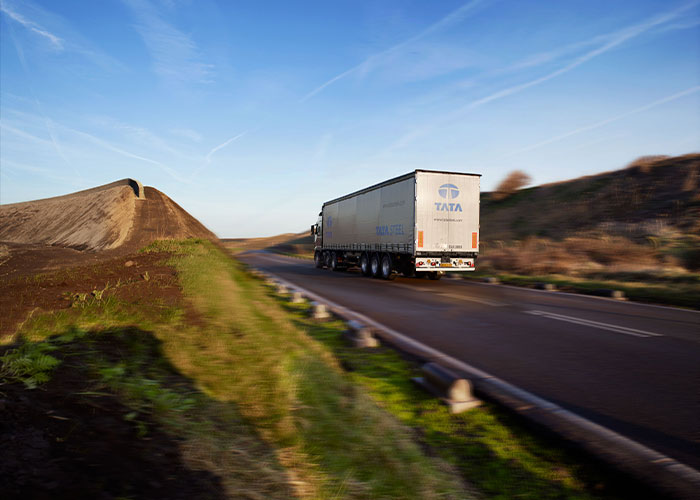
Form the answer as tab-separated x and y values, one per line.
630	367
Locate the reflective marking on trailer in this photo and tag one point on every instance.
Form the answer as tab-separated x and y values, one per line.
420	239
474	240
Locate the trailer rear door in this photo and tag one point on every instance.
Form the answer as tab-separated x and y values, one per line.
447	212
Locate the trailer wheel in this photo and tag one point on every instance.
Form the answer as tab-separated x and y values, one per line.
434	275
386	268
318	259
327	259
334	261
375	265
364	265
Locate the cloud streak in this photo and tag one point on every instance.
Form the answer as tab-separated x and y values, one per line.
375	60
175	56
610	41
602	123
90	138
224	144
32	26
61	37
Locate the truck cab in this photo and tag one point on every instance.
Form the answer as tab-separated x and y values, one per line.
317	233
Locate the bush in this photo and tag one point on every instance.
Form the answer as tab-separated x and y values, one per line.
645	163
513	181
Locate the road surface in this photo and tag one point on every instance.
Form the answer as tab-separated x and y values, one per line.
631	367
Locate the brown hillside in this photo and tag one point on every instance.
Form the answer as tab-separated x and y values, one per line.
87	226
291	243
647	198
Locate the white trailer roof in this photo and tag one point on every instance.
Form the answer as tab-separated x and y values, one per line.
393	180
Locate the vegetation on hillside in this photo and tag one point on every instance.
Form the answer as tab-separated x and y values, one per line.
636	229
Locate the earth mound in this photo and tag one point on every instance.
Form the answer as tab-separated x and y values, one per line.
87	226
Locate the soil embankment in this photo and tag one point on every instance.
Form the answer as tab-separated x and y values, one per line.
89	226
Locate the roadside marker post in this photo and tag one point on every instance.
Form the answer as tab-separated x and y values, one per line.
360	335
319	311
452	390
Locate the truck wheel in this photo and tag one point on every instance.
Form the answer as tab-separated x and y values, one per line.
327	259
385	271
434	275
364	265
374	265
318	260
334	261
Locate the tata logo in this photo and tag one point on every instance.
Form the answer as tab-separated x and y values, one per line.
449	192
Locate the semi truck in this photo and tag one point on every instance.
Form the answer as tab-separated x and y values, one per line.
424	223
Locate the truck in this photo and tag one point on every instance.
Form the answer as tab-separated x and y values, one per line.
424	223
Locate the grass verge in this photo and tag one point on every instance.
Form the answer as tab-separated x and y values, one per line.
245	392
498	453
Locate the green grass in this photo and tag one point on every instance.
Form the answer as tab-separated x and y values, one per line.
30	364
276	404
495	452
128	363
247	360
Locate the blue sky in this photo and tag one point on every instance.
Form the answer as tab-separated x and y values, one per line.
251	114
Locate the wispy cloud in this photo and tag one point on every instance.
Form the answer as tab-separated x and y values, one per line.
224	144
207	158
175	56
77	144
56	41
187	133
44	172
24	135
451	19
62	38
602	123
111	147
608	42
143	137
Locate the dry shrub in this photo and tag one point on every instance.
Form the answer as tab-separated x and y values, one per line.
691	180
512	182
645	163
541	256
530	256
611	251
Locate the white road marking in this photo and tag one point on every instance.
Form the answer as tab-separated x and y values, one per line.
471	299
595	324
436	291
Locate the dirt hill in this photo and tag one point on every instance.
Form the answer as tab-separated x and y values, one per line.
102	222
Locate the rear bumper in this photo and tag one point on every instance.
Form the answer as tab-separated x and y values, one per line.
436	264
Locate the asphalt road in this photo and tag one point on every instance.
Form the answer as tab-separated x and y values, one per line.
631	367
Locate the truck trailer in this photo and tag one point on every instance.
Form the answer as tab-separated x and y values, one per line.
423	223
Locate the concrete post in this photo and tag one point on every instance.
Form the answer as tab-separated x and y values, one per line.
360	335
455	392
319	311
